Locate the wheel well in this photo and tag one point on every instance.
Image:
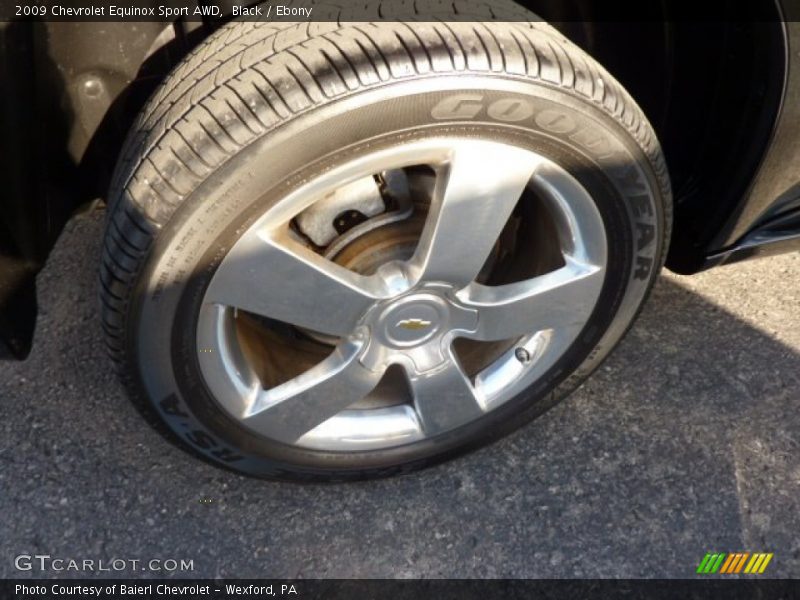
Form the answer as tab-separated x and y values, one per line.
712	91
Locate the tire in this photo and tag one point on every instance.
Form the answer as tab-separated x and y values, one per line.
226	139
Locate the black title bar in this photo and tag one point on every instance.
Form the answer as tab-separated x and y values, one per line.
372	10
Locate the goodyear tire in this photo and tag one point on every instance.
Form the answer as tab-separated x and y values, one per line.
261	109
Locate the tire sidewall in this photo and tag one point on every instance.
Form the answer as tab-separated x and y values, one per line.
596	148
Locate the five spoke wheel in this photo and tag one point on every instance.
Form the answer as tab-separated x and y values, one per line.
407	311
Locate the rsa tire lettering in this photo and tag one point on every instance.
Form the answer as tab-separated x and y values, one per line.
199	438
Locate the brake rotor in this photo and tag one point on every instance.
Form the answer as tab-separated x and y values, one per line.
392	242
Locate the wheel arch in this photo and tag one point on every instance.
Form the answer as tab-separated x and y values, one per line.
690	79
713	91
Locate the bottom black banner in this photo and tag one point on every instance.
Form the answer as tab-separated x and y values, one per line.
334	589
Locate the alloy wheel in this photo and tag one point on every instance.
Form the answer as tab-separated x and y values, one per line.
376	308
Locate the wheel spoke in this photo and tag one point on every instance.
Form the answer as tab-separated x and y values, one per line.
288	411
444	398
563	298
472	200
272	275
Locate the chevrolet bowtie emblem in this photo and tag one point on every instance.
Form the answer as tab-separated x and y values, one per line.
414	324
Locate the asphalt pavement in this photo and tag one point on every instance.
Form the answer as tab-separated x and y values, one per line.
686	441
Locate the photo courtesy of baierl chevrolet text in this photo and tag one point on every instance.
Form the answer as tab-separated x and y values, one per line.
154	590
404	299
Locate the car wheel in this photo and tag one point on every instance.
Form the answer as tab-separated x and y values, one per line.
350	250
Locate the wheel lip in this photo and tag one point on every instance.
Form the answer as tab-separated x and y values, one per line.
338	434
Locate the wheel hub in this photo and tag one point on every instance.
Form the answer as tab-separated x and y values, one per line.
414	330
412	322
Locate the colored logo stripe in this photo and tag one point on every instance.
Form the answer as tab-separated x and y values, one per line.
734	563
758	563
727	564
710	563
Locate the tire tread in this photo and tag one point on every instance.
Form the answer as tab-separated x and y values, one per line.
249	78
